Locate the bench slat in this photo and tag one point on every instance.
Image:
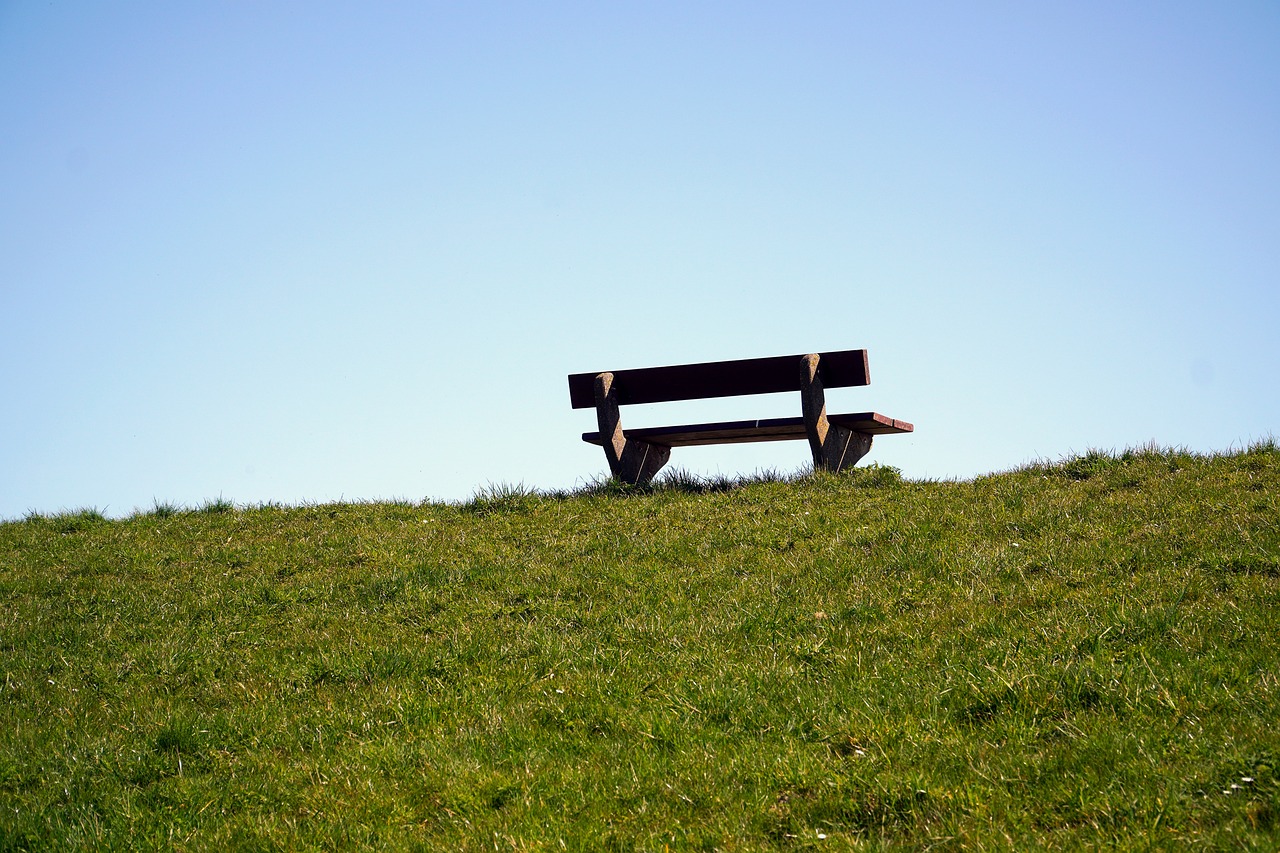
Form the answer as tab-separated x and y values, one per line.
775	374
769	429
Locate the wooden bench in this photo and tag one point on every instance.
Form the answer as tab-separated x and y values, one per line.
636	455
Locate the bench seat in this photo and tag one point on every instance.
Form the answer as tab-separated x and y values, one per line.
769	429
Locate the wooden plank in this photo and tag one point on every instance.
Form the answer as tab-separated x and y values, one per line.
769	429
733	432
871	422
842	369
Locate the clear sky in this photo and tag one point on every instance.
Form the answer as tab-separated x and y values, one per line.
311	251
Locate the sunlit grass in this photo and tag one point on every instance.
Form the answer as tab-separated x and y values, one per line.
1078	653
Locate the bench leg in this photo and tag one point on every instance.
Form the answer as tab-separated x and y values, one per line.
630	460
834	447
842	449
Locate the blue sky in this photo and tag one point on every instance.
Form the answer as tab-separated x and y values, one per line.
303	252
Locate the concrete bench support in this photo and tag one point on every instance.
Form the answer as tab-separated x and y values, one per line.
834	447
630	459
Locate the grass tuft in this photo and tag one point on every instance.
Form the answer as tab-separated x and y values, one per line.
502	497
164	509
76	521
217	506
680	480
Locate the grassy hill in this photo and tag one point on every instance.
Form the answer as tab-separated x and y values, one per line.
1075	654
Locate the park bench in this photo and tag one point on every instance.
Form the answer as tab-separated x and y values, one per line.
636	455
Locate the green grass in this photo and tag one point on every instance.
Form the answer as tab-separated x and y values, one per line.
1079	654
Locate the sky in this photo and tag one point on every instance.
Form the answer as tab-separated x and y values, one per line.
309	252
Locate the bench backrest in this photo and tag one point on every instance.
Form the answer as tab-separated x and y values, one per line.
841	369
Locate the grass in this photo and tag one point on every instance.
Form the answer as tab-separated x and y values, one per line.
1072	654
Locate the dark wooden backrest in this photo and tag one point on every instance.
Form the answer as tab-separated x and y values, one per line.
721	378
